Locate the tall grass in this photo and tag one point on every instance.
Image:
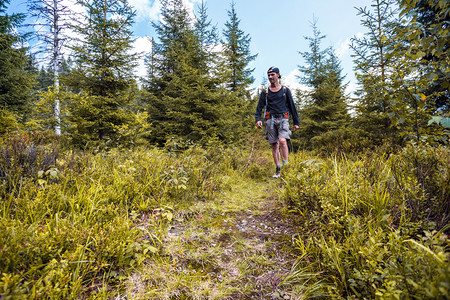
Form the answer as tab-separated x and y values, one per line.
374	226
75	224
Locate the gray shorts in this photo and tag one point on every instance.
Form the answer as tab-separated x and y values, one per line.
280	129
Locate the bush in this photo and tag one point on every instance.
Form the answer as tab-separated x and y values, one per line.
8	121
341	141
79	222
430	168
373	262
368	222
21	159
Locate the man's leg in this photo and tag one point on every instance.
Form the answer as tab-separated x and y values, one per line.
283	149
276	154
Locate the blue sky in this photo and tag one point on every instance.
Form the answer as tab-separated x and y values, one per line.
277	29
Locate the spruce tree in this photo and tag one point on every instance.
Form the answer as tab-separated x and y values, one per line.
208	39
16	80
103	71
428	22
236	55
52	18
183	94
237	77
373	66
324	111
173	71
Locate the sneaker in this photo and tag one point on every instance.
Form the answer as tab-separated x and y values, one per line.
277	173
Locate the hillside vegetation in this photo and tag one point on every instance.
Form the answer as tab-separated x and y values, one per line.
160	187
210	223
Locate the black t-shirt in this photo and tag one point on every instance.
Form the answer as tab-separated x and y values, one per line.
278	102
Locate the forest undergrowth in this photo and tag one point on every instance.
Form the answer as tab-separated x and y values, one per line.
187	222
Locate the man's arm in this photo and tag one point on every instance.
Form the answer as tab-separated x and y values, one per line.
292	109
260	106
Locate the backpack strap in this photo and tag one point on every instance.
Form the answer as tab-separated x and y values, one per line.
266	113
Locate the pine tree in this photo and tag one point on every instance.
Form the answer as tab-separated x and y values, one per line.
183	89
44	80
208	39
324	111
236	77
237	55
52	19
429	20
16	80
103	71
374	66
46	77
173	69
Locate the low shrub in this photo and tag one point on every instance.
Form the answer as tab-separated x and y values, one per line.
369	223
429	166
22	158
74	224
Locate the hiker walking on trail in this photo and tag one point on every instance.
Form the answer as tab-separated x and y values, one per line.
278	106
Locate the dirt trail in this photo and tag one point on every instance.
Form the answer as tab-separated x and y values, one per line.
238	247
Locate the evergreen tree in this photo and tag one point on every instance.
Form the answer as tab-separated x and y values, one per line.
325	109
44	80
16	80
52	17
236	77
208	40
419	81
103	71
184	94
374	66
173	74
236	55
46	77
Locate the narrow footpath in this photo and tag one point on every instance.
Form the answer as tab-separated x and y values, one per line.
236	247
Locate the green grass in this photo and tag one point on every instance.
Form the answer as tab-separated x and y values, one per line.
158	224
372	229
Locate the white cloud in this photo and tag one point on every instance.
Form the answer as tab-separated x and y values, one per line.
342	48
150	10
290	80
351	89
145	9
143	46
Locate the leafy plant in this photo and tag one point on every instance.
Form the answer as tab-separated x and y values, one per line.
368	222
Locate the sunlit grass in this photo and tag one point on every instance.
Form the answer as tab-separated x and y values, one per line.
156	224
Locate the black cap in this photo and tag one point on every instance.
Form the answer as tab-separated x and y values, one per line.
274	69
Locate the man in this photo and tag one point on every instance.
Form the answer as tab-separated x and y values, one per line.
278	107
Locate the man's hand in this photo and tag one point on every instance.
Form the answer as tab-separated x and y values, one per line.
259	124
295	127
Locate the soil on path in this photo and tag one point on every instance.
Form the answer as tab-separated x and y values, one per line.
239	246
